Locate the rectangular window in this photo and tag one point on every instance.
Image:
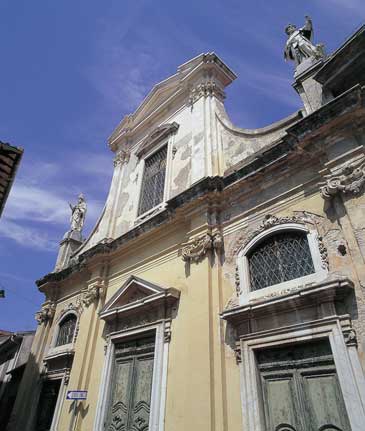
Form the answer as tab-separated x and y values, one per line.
131	385
153	182
300	388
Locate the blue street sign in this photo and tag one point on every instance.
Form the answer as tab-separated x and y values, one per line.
76	395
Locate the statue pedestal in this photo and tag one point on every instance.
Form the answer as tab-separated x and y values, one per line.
310	91
71	241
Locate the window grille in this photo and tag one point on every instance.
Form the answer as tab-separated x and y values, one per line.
66	330
280	258
153	183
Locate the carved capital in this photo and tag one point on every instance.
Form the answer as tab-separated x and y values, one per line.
46	313
121	157
205	89
348	180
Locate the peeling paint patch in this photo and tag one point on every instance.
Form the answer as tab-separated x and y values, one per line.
182	178
198	138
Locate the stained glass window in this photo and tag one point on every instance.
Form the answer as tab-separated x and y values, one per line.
281	257
66	330
153	183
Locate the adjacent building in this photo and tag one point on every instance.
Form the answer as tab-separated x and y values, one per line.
10	157
14	355
222	287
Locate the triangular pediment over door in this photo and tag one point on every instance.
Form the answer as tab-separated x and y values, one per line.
136	296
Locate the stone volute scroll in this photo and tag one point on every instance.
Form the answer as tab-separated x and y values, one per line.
299	45
348	180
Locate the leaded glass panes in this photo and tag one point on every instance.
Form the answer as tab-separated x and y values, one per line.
66	330
281	257
153	183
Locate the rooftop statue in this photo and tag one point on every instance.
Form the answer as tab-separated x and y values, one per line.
299	45
78	214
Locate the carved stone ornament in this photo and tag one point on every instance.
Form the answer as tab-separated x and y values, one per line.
198	248
75	306
121	157
46	313
323	252
93	292
351	338
238	354
271	221
349	180
205	89
156	136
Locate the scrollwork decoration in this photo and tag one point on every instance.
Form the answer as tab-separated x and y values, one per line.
197	249
46	313
349	180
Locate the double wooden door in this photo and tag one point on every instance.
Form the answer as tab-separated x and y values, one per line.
300	389
131	385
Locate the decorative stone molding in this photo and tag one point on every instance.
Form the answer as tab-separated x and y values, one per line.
237	281
271	221
349	180
238	354
75	306
46	313
67	376
351	338
121	157
196	250
205	89
323	252
167	331
218	242
156	136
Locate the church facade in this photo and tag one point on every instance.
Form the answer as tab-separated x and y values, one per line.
223	286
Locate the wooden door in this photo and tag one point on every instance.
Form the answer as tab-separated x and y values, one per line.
300	389
131	385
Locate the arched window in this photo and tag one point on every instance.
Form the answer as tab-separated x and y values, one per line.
278	258
66	330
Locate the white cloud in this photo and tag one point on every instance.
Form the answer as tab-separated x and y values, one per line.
27	236
37	213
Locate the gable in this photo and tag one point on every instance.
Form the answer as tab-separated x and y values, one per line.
135	294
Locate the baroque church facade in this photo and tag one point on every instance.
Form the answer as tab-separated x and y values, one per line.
223	286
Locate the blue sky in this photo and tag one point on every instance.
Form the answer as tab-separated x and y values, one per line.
70	70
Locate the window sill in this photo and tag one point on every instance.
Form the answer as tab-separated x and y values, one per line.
150	213
60	351
282	288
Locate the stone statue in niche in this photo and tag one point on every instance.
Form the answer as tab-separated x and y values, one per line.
299	45
78	213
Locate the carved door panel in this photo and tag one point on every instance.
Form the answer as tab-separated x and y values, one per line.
131	384
47	404
300	389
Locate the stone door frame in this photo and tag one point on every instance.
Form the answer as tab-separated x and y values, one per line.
348	368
